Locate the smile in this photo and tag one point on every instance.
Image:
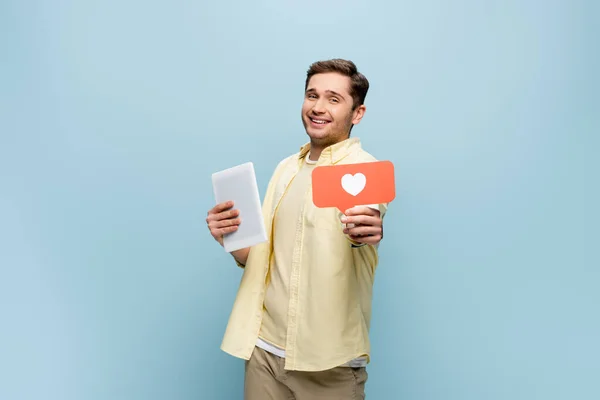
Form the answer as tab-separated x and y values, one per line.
319	121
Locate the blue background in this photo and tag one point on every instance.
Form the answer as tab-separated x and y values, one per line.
113	115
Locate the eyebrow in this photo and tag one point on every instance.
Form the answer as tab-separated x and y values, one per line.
327	91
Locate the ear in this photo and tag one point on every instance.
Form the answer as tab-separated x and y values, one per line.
358	114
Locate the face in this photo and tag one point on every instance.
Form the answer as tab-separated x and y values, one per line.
327	112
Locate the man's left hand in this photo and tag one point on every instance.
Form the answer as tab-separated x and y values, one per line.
363	225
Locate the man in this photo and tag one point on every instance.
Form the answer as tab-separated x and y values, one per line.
302	313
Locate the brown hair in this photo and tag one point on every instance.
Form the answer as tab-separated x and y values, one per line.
359	85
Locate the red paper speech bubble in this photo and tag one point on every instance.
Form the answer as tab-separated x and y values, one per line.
348	185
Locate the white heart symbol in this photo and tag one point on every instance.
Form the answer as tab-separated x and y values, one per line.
354	184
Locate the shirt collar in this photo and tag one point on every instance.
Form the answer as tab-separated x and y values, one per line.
334	153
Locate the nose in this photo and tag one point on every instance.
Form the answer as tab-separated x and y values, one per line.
319	106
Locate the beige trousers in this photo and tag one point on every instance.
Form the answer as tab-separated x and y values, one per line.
266	379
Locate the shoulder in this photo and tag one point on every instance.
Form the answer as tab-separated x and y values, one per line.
364	155
360	155
284	166
292	159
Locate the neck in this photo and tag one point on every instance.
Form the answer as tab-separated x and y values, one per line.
315	152
317	148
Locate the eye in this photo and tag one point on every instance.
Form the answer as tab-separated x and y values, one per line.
311	96
334	100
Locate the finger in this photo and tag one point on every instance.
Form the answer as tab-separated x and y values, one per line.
362	210
362	220
232	213
366	239
225	223
229	229
229	214
218	233
221	207
363	231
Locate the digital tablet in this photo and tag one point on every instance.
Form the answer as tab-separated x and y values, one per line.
238	184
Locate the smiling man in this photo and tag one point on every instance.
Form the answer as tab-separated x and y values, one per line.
302	313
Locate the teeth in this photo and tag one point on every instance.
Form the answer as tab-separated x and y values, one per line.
318	121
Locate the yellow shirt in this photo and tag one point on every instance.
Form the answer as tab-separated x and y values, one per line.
277	294
330	282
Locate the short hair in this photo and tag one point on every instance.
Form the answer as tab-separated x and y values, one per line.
359	85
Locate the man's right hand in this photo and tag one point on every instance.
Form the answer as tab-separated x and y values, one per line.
223	219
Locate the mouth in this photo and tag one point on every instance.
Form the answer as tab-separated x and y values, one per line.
318	121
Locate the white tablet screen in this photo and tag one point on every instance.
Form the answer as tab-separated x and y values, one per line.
238	184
